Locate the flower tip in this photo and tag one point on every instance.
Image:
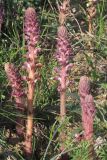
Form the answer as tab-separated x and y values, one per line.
84	85
62	31
6	66
29	10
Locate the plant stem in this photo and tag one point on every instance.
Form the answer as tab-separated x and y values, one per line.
62	105
30	96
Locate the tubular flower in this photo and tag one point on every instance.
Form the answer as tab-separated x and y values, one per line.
88	107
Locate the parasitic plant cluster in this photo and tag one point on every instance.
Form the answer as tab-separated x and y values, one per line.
31	34
63	56
15	81
87	106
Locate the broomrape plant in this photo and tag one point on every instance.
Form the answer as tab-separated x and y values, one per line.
31	32
88	111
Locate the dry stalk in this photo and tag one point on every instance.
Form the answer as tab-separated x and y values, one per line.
91	13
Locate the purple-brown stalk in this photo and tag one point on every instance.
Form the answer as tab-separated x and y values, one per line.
15	81
87	106
31	32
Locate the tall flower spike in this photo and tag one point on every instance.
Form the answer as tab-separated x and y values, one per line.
17	92
31	32
63	55
88	112
88	108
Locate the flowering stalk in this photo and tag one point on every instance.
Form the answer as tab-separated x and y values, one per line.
31	32
63	55
18	94
87	106
88	111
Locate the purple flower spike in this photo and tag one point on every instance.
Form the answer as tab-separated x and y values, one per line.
31	34
18	94
15	81
87	106
64	51
63	55
31	27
